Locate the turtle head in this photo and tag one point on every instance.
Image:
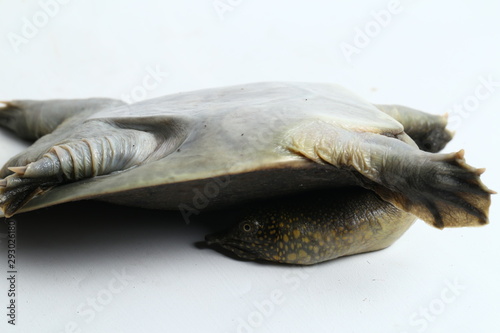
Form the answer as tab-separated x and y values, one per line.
250	239
275	235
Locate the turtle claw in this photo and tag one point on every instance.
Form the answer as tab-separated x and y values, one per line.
459	155
19	170
3	183
480	171
456	157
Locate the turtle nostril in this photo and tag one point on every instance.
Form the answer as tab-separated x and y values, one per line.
212	239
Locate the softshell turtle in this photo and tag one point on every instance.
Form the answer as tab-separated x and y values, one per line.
367	171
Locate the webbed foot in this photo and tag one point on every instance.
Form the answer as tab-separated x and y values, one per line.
441	189
32	119
16	190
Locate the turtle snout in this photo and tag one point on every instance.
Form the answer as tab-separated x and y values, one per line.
213	239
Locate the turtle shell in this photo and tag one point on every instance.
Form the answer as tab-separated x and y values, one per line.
226	145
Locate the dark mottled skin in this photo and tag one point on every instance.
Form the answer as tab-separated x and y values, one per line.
316	227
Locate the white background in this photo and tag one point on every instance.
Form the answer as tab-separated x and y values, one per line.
428	55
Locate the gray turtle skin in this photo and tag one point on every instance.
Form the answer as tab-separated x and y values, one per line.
236	144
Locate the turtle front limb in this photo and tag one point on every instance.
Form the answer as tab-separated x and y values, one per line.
31	119
441	189
427	130
113	149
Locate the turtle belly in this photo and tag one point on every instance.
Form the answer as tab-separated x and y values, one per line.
230	190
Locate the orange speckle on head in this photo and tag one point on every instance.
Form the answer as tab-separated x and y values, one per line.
296	233
292	256
285	238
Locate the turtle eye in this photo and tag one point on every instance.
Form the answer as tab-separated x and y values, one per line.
246	227
249	226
